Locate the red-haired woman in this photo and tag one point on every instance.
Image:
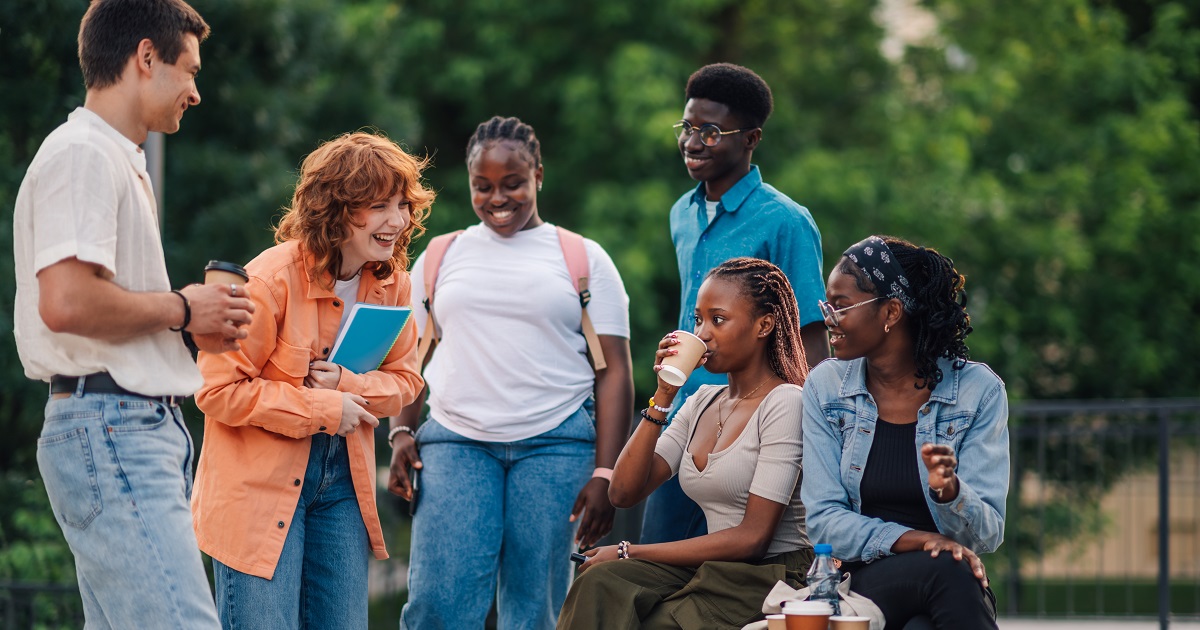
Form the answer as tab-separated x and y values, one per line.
285	490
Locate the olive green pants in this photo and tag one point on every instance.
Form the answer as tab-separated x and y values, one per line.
643	594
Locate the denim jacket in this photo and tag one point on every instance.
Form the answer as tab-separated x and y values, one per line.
968	410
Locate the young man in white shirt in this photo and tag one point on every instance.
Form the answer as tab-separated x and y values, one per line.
95	316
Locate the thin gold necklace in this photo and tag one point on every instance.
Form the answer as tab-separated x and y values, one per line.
721	420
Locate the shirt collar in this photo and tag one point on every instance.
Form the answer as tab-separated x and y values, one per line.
735	196
132	151
854	382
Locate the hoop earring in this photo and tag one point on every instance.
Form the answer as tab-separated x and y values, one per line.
887	329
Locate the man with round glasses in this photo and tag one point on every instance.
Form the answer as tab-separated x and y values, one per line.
731	213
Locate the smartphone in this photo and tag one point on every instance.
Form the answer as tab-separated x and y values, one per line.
414	478
578	558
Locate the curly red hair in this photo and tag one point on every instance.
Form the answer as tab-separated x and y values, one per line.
345	173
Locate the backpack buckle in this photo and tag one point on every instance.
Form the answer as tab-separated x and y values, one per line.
585	296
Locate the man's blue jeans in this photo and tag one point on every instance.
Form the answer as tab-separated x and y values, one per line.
496	512
321	579
118	471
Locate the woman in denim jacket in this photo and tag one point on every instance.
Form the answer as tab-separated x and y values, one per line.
905	440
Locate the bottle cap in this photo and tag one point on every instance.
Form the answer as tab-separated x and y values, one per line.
823	548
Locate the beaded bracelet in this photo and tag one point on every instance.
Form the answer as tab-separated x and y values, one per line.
666	409
646	416
623	550
399	429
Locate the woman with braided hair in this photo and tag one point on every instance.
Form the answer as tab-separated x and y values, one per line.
736	449
523	431
905	440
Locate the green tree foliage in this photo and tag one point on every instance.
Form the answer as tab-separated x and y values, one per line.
1051	148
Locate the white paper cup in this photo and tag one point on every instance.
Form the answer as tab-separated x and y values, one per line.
678	367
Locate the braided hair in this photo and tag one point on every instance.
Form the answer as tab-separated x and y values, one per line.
770	292
940	320
497	128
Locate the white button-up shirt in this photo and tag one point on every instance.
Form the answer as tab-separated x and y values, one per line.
87	195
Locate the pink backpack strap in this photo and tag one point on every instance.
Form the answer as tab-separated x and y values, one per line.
575	253
434	254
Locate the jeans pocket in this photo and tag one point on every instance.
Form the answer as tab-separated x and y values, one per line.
69	473
140	415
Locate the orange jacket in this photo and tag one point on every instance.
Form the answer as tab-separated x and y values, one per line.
259	416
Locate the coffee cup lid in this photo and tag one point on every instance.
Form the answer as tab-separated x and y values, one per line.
807	607
220	265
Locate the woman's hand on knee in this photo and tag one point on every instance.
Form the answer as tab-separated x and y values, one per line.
938	543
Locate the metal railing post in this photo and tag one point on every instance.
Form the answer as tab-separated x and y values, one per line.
1164	519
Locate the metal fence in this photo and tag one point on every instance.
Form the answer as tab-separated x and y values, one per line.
1104	510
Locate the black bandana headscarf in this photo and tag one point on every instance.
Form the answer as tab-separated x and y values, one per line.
876	261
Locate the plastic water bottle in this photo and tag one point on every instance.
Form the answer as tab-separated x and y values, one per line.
823	578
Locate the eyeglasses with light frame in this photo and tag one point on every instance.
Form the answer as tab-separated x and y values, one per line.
710	134
833	315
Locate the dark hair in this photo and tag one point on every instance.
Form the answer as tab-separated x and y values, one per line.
770	292
112	29
940	323
738	88
511	128
350	171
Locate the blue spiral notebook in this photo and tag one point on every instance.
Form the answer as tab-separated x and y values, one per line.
369	334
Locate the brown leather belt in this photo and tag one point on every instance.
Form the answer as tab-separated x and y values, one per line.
101	383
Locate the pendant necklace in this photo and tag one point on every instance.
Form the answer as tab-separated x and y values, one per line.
721	420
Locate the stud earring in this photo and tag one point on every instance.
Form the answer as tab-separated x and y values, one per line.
539	186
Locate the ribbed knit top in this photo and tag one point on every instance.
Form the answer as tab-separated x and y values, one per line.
764	460
892	487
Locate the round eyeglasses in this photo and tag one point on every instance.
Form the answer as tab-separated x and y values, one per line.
710	134
833	315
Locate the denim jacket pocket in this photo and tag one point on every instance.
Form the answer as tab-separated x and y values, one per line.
952	428
287	364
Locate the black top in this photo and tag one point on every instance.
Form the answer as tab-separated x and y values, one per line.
892	488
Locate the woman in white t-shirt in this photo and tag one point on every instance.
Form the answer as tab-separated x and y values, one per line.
522	433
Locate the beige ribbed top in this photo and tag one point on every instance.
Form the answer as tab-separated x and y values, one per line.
764	460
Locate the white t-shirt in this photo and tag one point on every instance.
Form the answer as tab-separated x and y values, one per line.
348	291
511	362
710	207
87	194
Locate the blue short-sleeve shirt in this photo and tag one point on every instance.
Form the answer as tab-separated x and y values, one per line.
752	219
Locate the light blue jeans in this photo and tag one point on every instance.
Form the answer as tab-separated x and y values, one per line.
118	471
321	579
493	520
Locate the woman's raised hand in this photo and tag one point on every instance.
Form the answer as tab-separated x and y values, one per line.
665	350
940	461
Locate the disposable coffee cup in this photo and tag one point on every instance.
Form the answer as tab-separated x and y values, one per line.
677	368
806	615
849	623
776	622
220	272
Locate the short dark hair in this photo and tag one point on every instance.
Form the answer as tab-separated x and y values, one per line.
498	128
111	30
740	89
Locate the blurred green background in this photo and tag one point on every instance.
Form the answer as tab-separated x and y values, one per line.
1051	148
